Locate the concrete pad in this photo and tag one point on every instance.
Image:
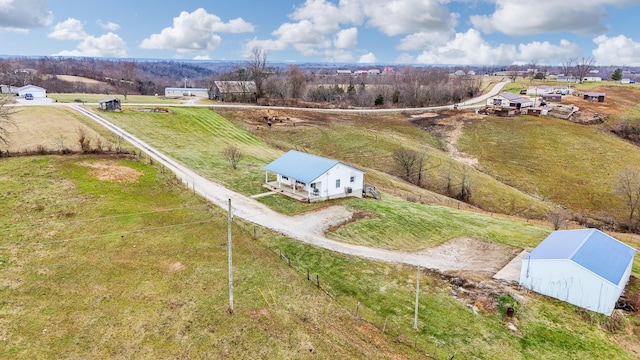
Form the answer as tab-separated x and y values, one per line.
511	271
263	194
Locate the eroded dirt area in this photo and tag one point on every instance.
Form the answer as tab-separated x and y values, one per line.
112	172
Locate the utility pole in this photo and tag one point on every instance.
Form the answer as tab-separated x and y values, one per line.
229	221
415	319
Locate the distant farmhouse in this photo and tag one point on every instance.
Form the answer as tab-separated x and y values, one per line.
242	91
585	267
313	178
35	91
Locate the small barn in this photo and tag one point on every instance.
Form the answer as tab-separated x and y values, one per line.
242	91
552	97
35	91
111	104
314	178
585	267
183	92
594	96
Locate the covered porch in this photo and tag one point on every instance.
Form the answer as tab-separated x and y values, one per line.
296	191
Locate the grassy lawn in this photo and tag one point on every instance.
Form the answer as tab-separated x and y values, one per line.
397	224
567	163
197	138
92	268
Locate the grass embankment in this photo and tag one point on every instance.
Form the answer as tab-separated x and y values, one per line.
397	224
197	137
570	164
134	269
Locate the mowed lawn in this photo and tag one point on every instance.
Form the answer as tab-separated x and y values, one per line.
572	165
197	137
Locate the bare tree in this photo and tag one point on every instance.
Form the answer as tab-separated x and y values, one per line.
558	217
257	68
296	81
628	187
125	71
6	119
233	155
83	139
566	65
407	160
514	72
583	66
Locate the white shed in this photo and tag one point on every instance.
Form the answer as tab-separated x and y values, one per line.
586	268
314	177
179	92
36	91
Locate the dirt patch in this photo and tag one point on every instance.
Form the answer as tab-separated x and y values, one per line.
176	266
112	172
471	255
151	110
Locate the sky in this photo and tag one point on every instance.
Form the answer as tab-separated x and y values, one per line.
462	32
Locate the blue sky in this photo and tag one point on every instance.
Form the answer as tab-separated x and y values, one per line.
463	32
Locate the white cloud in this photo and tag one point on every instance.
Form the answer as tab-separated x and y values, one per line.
347	38
196	31
618	50
368	58
70	29
338	56
471	48
323	27
517	17
24	14
109	26
108	45
202	57
408	16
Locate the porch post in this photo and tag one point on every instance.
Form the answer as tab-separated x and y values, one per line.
266	177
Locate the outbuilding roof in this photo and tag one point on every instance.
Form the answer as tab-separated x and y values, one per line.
589	248
301	166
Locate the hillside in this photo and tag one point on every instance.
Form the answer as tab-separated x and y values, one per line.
157	239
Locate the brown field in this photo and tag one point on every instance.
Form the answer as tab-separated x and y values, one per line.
47	126
80	79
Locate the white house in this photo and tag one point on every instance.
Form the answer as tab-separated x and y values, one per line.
179	92
315	178
586	268
36	91
511	100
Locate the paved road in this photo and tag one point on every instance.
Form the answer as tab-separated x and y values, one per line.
308	228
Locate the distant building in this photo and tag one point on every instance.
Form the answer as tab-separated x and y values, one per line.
343	72
183	92
35	91
111	104
594	96
591	78
552	97
233	91
509	100
373	71
387	70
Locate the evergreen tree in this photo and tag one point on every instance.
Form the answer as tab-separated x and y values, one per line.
617	75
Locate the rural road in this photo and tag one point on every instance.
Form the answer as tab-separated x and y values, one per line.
308	228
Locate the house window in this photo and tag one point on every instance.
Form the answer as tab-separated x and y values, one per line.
337	183
285	178
352	179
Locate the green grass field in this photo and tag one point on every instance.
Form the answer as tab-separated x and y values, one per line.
137	269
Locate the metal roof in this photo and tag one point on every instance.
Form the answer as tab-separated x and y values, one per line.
302	166
589	248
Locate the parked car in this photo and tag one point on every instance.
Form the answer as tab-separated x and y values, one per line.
28	96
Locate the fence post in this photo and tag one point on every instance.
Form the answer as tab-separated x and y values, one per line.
308	274
318	280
